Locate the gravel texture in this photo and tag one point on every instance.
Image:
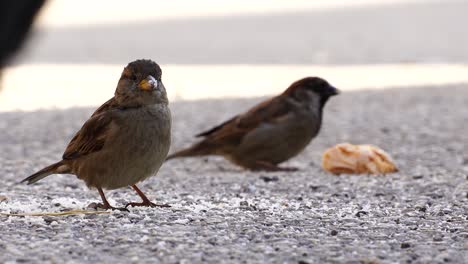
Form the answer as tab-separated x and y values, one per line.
221	213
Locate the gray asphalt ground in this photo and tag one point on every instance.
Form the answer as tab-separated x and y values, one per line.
221	213
431	31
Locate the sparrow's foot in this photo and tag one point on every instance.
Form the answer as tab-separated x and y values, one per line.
107	207
105	204
267	166
147	204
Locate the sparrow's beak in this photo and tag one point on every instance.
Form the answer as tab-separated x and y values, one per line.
333	91
148	84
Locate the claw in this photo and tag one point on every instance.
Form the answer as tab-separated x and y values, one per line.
107	207
147	204
105	204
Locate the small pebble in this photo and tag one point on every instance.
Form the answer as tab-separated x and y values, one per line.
405	245
269	179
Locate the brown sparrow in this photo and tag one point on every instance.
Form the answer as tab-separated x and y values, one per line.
125	140
271	132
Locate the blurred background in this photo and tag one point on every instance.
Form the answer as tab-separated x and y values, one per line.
215	49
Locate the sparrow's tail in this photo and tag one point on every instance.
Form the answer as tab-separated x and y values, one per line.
199	149
56	168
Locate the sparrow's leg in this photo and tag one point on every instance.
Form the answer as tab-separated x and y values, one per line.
105	204
146	201
268	166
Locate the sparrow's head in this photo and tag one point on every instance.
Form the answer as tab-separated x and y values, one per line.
311	89
140	84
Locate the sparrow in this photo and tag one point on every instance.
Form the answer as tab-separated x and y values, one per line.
125	140
271	132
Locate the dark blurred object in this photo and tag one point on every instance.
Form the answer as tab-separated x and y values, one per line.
16	18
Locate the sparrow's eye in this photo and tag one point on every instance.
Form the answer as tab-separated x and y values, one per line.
132	77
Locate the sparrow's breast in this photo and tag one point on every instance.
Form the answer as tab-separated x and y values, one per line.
142	142
150	128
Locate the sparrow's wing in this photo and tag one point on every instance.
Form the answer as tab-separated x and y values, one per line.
216	128
269	111
91	137
234	129
109	105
